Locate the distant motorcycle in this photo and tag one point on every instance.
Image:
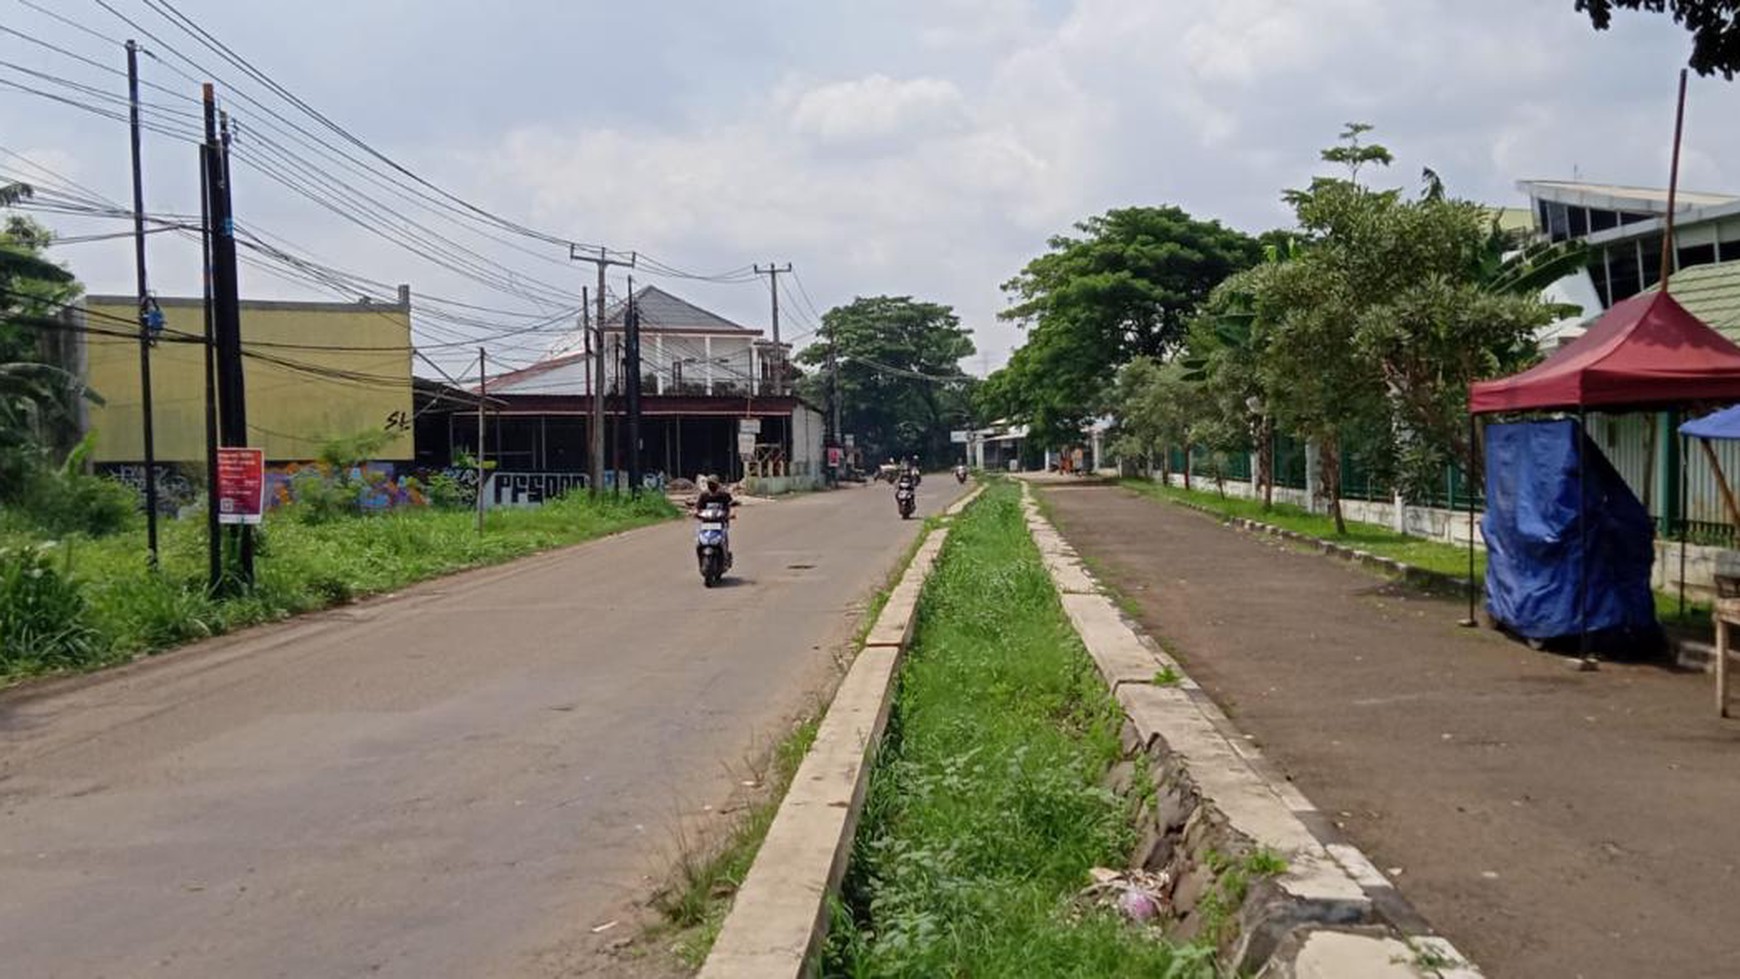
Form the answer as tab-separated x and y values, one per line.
713	543
960	474
905	496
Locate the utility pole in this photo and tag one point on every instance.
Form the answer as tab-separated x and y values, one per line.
772	272
838	437
149	317
213	531
226	307
631	334
603	261
482	395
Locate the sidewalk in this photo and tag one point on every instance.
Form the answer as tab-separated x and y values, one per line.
1549	822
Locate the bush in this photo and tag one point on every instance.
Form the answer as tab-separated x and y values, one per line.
43	617
73	502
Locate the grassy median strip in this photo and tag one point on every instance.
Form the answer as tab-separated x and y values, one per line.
987	807
79	603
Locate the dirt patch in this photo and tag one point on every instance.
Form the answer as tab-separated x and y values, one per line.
1550	823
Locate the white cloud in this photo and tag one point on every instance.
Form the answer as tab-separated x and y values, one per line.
879	108
931	146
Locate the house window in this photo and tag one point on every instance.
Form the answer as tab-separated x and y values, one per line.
1623	277
1601	220
1579	222
1558	220
1693	255
1649	260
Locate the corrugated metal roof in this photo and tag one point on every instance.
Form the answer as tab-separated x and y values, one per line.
659	310
1712	294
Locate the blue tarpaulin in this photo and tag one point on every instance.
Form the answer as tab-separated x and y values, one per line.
1724	424
1534	559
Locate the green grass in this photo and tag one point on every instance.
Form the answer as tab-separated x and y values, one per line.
300	567
987	806
1446	559
706	878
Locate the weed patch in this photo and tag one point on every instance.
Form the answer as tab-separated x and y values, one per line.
111	608
987	807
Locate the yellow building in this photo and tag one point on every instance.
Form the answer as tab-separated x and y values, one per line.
314	371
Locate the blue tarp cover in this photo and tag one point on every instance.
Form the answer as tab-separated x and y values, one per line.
1533	556
1724	424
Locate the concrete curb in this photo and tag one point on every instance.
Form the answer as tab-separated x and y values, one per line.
780	915
1331	913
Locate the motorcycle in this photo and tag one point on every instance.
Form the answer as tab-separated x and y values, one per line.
961	474
713	543
904	498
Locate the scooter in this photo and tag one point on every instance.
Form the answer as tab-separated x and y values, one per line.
713	543
904	497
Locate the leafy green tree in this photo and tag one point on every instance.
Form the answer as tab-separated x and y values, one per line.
1395	306
35	397
901	385
1151	406
1713	24
1125	285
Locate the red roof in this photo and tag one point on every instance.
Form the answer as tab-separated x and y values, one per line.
1644	352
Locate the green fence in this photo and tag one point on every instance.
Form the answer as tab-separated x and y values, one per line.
1358	481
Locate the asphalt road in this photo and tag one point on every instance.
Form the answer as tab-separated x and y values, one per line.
459	780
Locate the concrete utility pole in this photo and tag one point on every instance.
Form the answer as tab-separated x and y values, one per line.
603	261
631	364
226	307
772	272
482	394
149	317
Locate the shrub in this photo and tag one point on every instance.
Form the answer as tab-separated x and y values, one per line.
43	617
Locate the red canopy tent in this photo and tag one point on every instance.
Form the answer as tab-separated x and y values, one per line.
1647	352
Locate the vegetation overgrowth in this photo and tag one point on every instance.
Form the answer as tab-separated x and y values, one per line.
79	602
987	807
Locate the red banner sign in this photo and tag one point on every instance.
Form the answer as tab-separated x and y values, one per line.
241	485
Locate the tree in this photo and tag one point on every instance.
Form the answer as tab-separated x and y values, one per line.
1151	408
901	385
1125	286
1713	24
33	395
1396	306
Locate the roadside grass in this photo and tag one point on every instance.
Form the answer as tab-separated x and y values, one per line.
302	566
706	877
1446	559
987	806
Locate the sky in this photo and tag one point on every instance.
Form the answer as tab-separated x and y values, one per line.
903	147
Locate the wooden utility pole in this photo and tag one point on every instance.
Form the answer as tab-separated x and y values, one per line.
1667	238
631	364
596	442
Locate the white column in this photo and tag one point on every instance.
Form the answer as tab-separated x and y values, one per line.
707	345
661	365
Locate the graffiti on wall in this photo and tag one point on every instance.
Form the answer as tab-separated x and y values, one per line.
178	487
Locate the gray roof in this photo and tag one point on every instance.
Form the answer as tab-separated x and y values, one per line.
659	310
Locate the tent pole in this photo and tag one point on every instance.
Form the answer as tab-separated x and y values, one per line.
1468	487
1685	523
1586	660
